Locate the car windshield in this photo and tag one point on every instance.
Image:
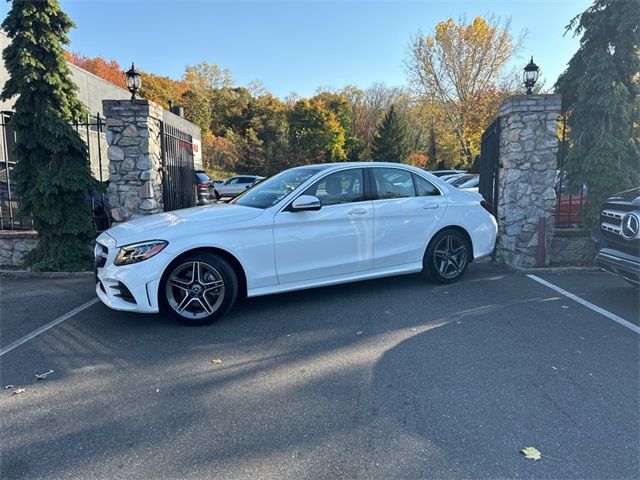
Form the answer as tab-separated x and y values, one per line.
270	191
202	177
470	183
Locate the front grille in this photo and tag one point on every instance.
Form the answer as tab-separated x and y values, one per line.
610	225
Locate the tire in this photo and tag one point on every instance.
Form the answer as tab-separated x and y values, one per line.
447	257
198	289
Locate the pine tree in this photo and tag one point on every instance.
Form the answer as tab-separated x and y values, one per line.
52	172
391	140
599	88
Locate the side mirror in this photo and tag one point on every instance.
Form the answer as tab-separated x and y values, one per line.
306	203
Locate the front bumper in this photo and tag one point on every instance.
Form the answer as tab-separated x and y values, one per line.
619	263
130	288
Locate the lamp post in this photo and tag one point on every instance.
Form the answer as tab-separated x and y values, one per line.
133	80
530	76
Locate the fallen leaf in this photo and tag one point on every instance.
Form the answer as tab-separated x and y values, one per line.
216	361
553	367
360	332
18	390
44	375
565	306
531	453
8	386
414	329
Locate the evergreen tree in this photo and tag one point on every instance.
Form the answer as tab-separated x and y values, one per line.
52	173
391	140
599	88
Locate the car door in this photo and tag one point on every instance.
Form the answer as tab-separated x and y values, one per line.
407	208
227	188
335	240
244	183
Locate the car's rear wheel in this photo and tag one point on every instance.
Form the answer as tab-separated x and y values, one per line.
447	256
198	289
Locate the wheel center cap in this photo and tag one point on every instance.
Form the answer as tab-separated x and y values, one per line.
196	289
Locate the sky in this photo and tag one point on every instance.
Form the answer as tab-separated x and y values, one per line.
298	46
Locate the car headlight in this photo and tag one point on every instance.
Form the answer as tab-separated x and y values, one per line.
138	252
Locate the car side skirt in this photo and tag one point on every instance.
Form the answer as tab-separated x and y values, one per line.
404	269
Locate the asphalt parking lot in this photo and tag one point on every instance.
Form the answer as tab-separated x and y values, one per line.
390	378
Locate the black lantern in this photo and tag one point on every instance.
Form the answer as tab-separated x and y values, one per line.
530	76
133	80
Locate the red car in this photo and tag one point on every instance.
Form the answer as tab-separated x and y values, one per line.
568	205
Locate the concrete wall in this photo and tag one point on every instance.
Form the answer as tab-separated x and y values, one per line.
191	129
92	89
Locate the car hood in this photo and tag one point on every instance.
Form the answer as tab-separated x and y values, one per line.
632	196
169	225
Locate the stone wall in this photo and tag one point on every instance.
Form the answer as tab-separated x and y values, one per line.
133	135
14	245
528	147
571	246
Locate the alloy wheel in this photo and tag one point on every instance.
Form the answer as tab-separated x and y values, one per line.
195	290
450	256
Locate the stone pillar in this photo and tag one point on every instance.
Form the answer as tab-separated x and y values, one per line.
528	147
135	158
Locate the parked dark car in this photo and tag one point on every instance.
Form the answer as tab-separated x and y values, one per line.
617	236
205	192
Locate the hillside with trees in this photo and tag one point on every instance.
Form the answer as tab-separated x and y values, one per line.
457	78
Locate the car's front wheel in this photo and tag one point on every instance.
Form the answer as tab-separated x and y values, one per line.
447	256
198	289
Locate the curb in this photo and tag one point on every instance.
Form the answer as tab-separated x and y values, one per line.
525	270
29	274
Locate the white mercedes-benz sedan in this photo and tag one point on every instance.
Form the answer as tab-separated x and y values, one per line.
305	227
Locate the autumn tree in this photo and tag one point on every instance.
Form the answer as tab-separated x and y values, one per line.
460	66
600	90
161	89
391	140
52	173
315	133
108	70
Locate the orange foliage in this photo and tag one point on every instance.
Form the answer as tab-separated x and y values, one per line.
418	160
108	70
162	89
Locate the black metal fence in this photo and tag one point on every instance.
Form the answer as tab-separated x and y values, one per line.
568	203
177	167
92	130
489	165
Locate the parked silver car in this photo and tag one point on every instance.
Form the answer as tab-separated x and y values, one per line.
234	186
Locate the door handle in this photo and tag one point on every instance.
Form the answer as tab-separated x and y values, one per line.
357	211
431	206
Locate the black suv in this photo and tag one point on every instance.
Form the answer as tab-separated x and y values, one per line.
617	237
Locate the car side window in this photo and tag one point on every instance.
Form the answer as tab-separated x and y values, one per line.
246	180
232	181
424	187
393	183
340	187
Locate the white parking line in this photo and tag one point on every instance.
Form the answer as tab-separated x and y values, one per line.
49	325
590	305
